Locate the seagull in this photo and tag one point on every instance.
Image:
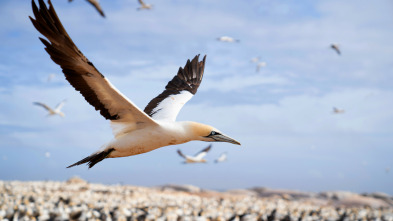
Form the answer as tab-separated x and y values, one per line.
260	65
336	47
221	158
227	39
338	111
144	5
51	111
96	5
135	131
198	158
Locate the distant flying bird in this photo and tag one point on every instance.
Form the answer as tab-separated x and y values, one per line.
144	5
387	170
198	158
50	77
51	111
227	39
96	5
135	131
336	47
221	158
338	111
260	65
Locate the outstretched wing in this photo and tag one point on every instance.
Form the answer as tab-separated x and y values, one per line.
82	74
221	158
141	2
336	48
177	92
60	105
97	6
181	154
203	153
43	105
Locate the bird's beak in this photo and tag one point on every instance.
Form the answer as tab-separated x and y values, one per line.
224	138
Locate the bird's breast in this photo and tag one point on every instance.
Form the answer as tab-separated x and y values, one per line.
145	140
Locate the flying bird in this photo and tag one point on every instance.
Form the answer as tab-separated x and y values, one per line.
260	65
96	5
144	5
135	131
50	77
227	39
338	111
336	47
51	111
221	158
197	158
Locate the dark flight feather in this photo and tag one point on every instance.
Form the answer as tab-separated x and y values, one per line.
187	79
79	71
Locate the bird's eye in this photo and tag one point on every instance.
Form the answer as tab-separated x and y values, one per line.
214	133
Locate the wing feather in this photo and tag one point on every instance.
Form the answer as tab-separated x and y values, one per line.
43	105
181	154
178	91
201	154
97	6
80	72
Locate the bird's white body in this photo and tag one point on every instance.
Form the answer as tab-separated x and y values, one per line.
227	39
198	158
150	138
191	159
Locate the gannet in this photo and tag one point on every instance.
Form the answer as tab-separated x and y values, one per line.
198	158
144	5
336	47
227	39
51	111
338	111
96	5
135	131
221	158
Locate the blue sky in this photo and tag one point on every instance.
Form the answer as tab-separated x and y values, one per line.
281	115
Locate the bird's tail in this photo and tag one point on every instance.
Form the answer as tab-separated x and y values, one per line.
94	158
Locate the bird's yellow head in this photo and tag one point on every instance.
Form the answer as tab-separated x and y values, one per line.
208	133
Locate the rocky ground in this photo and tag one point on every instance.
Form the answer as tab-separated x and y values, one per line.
79	200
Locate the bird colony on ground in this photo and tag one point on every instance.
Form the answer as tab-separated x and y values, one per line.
78	200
